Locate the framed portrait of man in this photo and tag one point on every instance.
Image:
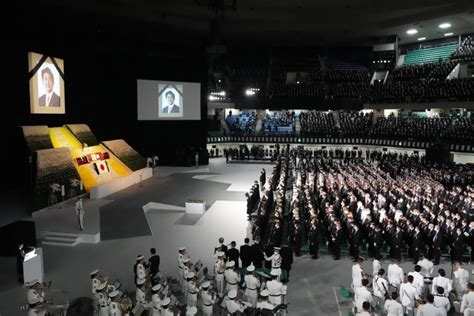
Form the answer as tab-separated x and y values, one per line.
46	75
170	100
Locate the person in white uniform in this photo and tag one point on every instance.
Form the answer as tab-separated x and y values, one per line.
95	280
252	284
114	307
219	269
191	298
376	266
440	300
263	301
428	309
232	278
395	274
392	307
140	270
275	258
140	295
102	300
380	288
208	299
418	279
426	266
191	310
365	310
467	303
443	281
357	274
156	300
166	309
181	256
34	294
408	295
232	304
461	279
275	288
362	294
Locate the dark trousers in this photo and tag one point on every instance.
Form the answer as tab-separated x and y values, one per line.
354	251
313	250
337	251
376	252
436	255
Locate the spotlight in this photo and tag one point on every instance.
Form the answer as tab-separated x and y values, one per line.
412	31
444	25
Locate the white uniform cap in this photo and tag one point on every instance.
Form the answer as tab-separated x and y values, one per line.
191	310
206	284
165	301
276	248
220	254
156	287
140	281
190	275
251	268
273	273
101	286
181	248
185	260
264	293
94	272
230	264
114	293
140	257
32	282
232	294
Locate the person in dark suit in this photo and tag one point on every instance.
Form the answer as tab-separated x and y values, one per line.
171	107
20	257
354	240
246	253
233	254
437	242
286	253
257	253
313	240
50	98
337	237
154	263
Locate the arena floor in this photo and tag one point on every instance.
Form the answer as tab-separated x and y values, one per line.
127	231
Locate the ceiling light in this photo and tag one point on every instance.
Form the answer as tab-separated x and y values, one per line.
449	34
444	25
421	38
249	92
412	31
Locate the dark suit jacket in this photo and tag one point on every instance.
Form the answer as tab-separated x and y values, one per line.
233	255
154	264
55	100
174	109
246	255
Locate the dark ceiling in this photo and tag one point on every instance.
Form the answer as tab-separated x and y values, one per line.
273	22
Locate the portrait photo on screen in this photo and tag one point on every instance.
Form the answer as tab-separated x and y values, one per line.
46	75
170	100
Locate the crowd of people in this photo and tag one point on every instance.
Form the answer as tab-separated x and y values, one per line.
386	206
317	123
272	124
465	52
243	124
354	123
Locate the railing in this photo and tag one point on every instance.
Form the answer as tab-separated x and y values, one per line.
335	141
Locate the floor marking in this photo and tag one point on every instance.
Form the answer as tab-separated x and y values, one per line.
337	301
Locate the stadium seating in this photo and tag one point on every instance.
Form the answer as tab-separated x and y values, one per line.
243	124
428	55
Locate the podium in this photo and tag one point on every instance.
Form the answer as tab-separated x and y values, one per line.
33	266
195	207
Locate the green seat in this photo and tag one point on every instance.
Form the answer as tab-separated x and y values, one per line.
345	292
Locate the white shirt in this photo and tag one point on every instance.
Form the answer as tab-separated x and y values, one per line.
35	296
265	305
362	295
442	302
380	286
395	274
461	278
231	276
418	281
408	294
467	302
357	276
232	306
430	310
444	282
114	309
393	308
376	266
140	296
363	313
426	267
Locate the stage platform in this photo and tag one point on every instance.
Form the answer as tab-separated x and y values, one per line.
263	162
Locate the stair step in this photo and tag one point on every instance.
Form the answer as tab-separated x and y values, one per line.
60	234
61	238
59	243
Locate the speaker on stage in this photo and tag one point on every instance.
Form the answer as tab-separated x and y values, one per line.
438	153
15	233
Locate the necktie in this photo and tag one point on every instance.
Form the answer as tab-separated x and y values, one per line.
48	99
